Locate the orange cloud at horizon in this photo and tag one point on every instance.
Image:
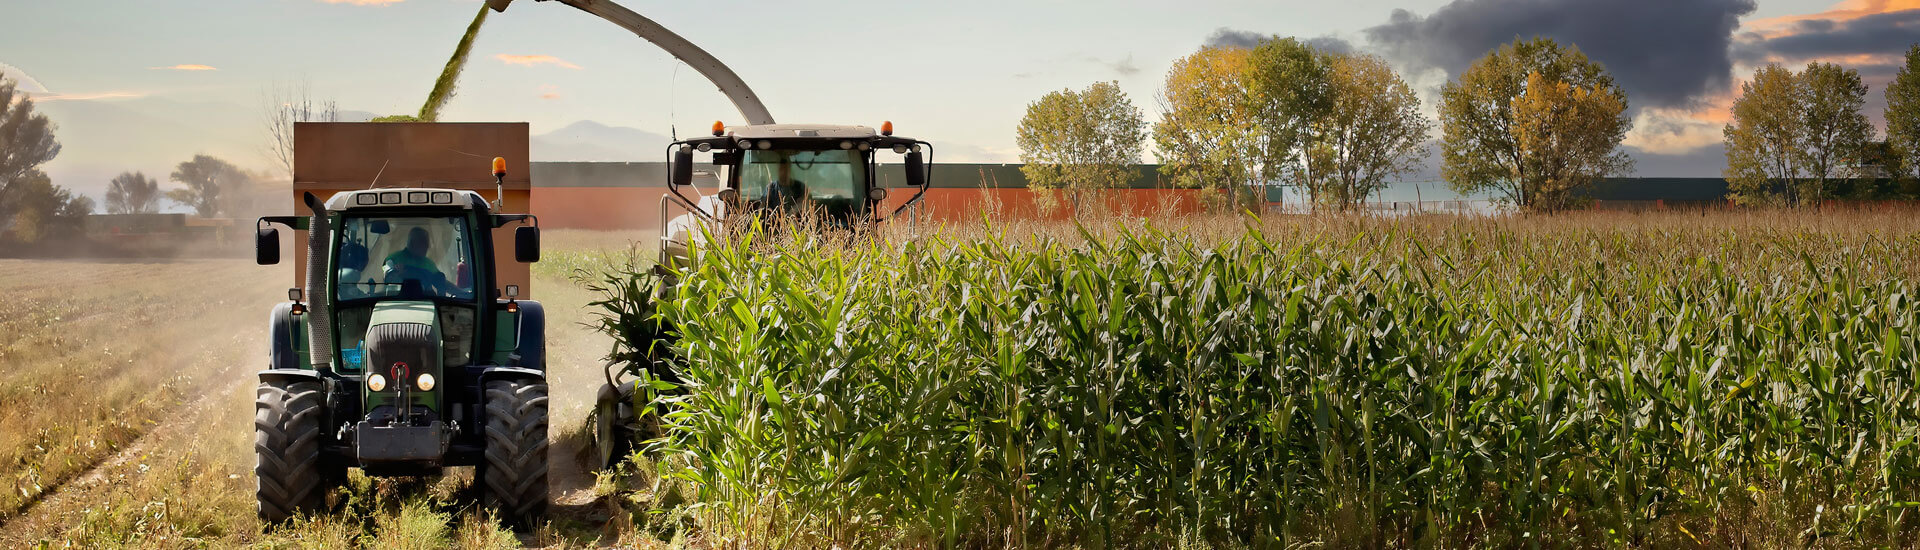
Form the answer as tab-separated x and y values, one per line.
363	2
88	97
188	67
531	60
1775	27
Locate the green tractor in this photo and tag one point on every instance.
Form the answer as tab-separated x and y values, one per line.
406	358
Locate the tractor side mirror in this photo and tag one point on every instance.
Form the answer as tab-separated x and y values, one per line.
526	244
916	170
266	246
682	166
877	194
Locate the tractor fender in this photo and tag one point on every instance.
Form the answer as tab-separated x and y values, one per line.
511	373
289	376
288	331
531	336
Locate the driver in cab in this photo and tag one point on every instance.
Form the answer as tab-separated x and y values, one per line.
412	263
784	191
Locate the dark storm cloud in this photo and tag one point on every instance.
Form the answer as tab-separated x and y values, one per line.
1236	38
1665	53
1880	33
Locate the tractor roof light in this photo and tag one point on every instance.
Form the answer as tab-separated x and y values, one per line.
886	128
766	144
704	147
846	145
719	128
900	149
499	166
746	144
376	382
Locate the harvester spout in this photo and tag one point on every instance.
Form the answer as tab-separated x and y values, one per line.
709	66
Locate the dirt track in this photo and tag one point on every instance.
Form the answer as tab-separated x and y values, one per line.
126	401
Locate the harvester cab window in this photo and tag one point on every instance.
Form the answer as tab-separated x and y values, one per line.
411	257
781	178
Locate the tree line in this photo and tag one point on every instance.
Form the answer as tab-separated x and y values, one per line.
1534	123
33	208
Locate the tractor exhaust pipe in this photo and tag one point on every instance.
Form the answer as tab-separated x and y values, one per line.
320	320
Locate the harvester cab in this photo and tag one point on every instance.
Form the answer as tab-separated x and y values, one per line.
407	356
780	170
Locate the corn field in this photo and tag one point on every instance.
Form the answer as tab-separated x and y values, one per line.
1357	384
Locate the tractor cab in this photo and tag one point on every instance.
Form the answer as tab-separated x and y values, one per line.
407	355
777	171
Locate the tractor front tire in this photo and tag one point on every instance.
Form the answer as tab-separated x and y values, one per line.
289	475
513	476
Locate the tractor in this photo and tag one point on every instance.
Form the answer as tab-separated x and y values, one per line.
768	172
404	358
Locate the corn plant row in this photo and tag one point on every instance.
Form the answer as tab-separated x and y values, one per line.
1387	385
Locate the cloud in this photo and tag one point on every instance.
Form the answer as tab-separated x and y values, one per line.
1231	38
89	97
1665	53
1225	37
189	67
1124	67
23	81
363	2
549	91
1849	37
531	60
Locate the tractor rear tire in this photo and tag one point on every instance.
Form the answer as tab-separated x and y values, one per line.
513	475
289	476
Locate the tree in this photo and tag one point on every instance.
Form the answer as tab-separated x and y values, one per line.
1573	136
1903	115
133	193
26	141
1480	148
1371	130
1292	89
285	106
1082	140
1837	133
204	176
1792	134
1210	134
1764	140
39	209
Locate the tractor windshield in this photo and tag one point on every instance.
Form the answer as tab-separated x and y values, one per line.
405	257
833	179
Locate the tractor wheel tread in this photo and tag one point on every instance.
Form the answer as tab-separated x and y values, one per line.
286	446
513	473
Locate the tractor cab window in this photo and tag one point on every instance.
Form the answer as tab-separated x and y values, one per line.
405	257
835	180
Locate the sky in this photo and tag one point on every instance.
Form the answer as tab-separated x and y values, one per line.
141	85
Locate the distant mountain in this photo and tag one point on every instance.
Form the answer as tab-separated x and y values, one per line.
589	141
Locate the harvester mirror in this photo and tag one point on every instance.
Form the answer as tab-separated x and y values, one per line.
683	166
526	244
878	194
916	170
266	246
379	227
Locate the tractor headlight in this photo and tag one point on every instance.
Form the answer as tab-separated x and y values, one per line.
376	382
425	383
